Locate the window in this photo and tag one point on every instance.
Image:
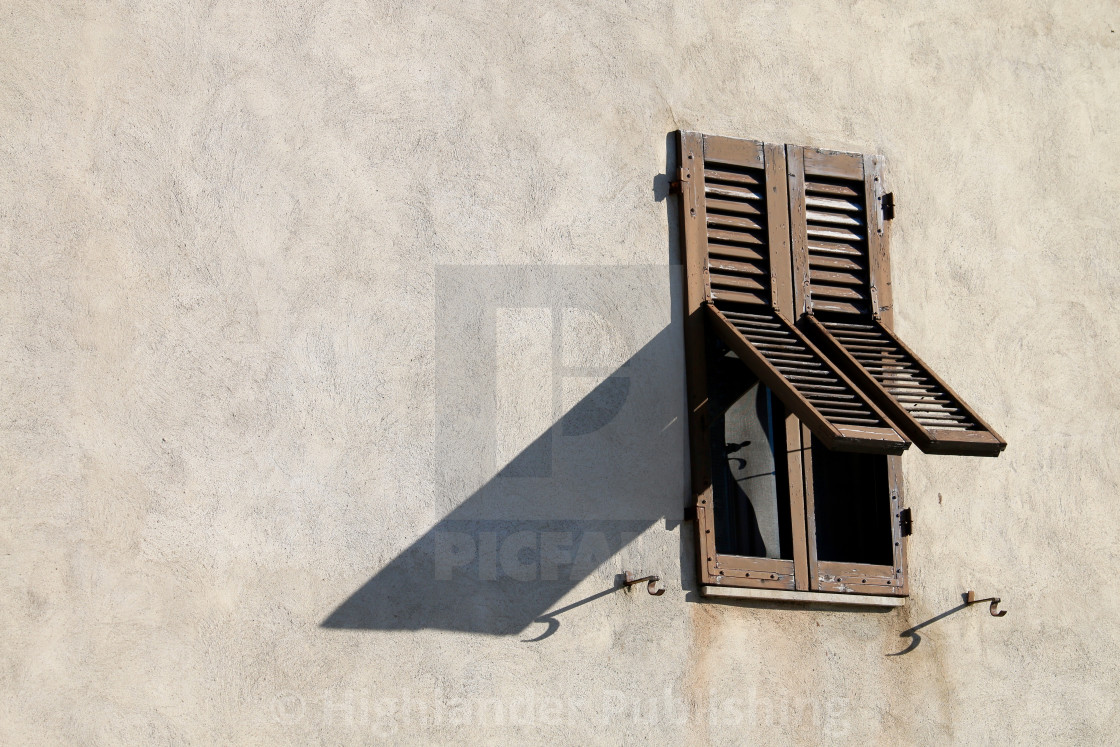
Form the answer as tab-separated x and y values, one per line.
801	397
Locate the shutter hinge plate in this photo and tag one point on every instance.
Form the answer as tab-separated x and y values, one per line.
684	176
905	522
887	201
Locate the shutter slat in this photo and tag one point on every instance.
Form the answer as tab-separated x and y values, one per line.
831	203
734	237
819	377
837	218
836	263
921	400
838	397
761	320
737	297
736	252
833	291
776	347
935	415
871	359
796	369
829	247
729	206
895	388
715	219
724	190
727	265
779	355
723	175
832	233
843	406
843	190
841	278
736	283
802	380
763	335
840	307
864	346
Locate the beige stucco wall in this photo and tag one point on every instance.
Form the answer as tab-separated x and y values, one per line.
250	370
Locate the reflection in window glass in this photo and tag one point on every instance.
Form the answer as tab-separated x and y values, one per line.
749	478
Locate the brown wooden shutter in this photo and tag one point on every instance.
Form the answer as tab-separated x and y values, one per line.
842	272
736	236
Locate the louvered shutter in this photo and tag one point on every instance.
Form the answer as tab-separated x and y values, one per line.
736	221
842	270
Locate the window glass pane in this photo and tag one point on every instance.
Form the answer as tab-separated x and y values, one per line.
749	479
852	507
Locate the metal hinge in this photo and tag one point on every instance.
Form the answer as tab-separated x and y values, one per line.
887	201
684	175
905	522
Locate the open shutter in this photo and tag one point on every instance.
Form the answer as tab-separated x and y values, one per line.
842	272
736	219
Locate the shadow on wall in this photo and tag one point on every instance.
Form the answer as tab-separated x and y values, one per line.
912	633
522	351
519	345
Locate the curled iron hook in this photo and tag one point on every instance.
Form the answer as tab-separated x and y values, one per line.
629	579
971	599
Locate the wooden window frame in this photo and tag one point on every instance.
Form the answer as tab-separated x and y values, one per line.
790	296
733	570
831	576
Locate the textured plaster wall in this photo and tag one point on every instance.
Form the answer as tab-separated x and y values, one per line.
275	281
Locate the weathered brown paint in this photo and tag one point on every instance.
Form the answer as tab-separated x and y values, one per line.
979	440
713	568
878	438
842	180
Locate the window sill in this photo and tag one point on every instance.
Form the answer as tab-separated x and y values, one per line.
813	597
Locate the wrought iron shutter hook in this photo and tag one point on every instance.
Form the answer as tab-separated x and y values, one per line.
971	599
629	579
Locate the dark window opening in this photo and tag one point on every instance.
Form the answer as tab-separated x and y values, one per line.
852	507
